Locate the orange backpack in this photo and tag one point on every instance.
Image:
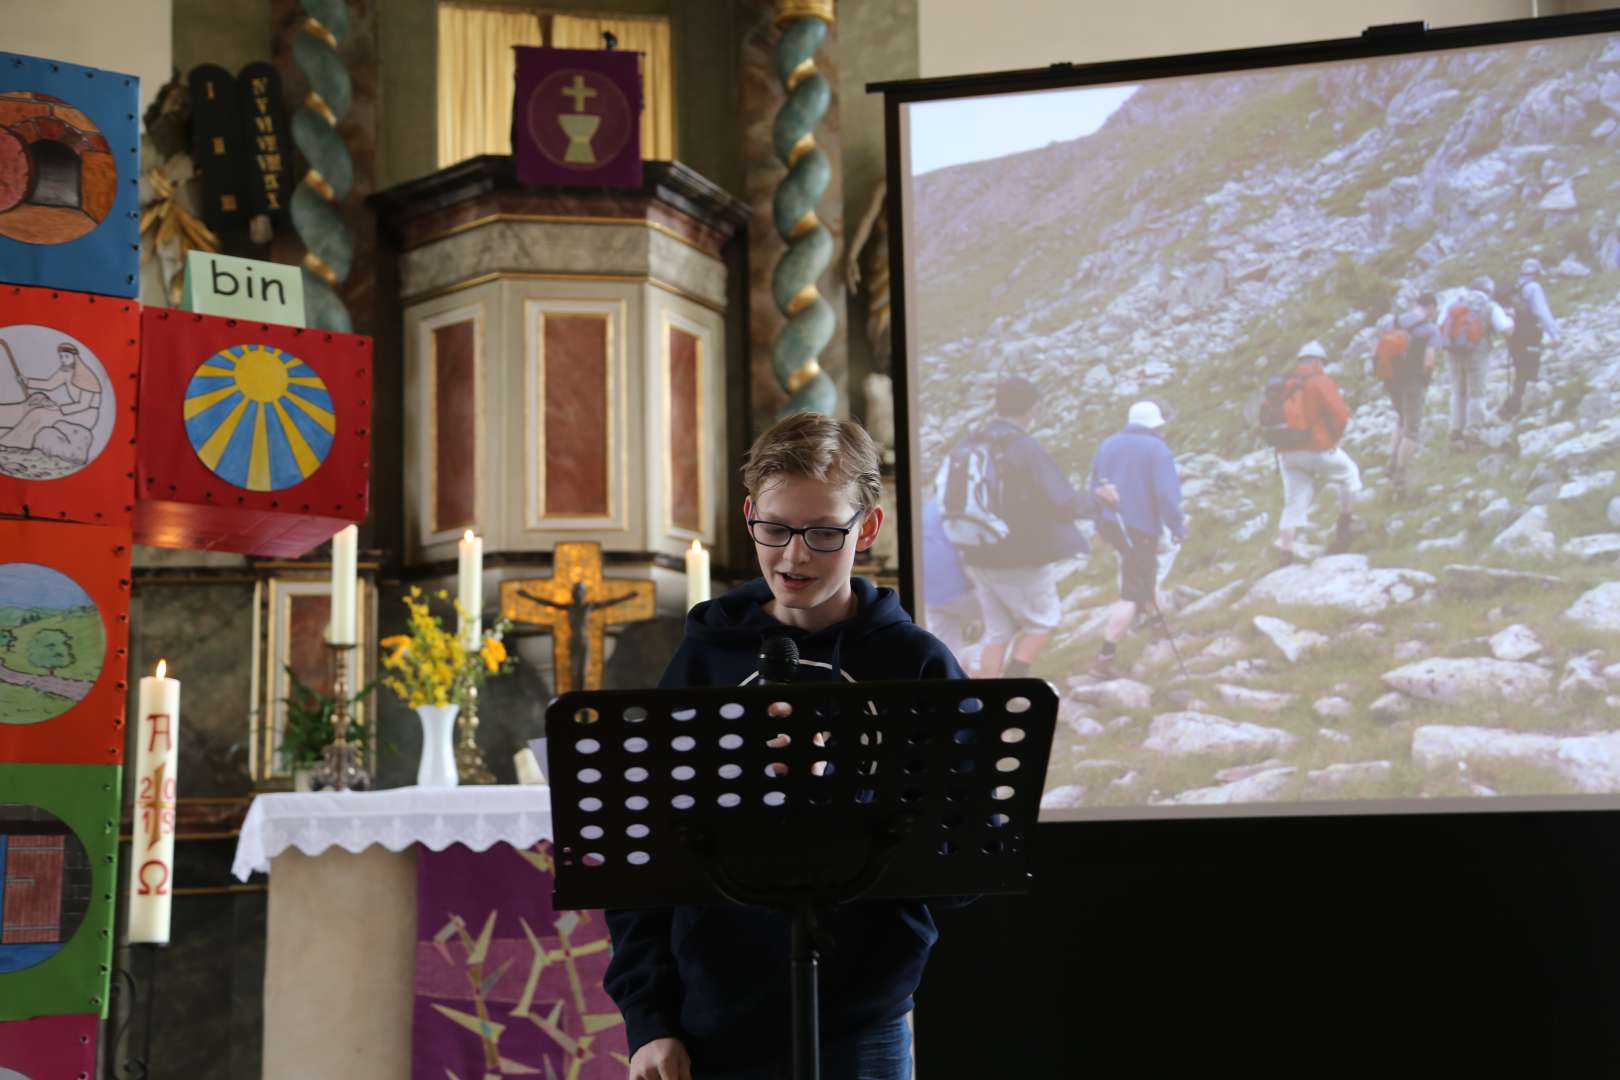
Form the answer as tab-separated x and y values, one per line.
1393	345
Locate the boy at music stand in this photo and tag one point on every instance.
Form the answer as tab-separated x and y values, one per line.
703	990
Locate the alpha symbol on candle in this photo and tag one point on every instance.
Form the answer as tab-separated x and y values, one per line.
161	725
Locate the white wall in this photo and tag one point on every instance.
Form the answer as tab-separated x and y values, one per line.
134	37
961	36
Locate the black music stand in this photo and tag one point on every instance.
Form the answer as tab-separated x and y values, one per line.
797	797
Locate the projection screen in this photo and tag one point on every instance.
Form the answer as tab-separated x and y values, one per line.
1397	582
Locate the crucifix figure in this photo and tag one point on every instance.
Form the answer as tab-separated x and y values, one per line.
577	604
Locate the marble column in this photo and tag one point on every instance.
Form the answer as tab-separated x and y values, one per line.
760	98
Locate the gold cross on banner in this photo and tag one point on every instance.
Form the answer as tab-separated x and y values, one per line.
576	605
580	93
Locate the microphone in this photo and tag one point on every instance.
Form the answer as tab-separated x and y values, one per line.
778	659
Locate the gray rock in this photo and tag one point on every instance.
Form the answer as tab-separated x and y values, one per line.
1598	608
1538	441
1351	772
1261	787
1455	542
1344	582
1516	642
1591	762
1097	378
1290	640
1596	546
1452	680
1544	493
1497	513
1202	733
1583	681
1572	267
1460	577
1529	536
1410	650
1066	797
1561	197
1581	486
1214	600
1599	444
1333	708
1614	511
1243	772
1333	736
1596	407
1262	700
1391	707
1125	694
1224	647
1251	528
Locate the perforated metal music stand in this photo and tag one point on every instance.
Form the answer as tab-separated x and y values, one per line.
797	797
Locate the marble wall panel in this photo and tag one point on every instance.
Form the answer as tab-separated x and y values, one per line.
205	631
575	432
550	247
633	250
683	353
455	420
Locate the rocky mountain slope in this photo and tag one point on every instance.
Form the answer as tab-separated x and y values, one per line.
1470	644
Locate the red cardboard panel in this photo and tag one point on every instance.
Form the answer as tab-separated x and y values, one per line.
254	438
64	642
68	373
50	1047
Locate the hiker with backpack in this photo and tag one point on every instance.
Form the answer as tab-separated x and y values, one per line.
1010	512
1534	328
1404	358
1147	527
1471	324
1303	417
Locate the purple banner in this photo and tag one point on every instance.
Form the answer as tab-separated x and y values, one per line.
506	986
576	117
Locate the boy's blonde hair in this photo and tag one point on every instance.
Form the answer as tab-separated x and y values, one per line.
813	446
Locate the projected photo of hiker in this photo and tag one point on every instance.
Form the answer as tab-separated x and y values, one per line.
1272	416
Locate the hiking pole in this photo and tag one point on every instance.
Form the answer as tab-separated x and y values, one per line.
1169	635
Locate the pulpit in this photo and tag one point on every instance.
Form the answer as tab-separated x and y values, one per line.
567	355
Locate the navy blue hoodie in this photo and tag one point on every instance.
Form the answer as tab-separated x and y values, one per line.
717	978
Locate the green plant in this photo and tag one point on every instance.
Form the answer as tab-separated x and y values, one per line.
307	729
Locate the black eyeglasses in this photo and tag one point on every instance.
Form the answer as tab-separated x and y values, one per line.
823	538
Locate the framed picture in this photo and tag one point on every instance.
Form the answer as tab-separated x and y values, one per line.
291	615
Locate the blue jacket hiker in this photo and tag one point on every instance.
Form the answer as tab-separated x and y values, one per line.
1037	501
716	977
1138	462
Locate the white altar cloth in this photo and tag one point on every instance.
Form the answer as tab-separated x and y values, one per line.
478	816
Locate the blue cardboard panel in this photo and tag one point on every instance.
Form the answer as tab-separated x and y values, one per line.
69	177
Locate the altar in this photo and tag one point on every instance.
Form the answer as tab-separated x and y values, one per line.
411	933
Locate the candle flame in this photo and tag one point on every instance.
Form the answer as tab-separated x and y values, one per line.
162	668
467	536
697	545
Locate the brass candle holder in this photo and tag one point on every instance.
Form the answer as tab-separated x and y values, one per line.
342	765
470	765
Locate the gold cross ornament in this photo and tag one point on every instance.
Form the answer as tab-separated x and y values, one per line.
577	599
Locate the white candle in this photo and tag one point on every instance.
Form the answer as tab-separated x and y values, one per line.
470	587
345	586
697	575
151	850
528	767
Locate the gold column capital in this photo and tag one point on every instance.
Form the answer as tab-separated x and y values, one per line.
788	11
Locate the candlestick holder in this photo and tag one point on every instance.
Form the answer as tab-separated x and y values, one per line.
470	765
342	764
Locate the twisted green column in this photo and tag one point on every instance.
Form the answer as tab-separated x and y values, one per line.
329	250
810	319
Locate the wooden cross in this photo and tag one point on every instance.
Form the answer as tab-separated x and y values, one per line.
577	598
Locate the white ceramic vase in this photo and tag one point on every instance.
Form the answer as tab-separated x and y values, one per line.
438	765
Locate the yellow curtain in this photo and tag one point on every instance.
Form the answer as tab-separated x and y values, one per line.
650	38
477	72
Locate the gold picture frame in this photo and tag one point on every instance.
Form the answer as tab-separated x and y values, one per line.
290	614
